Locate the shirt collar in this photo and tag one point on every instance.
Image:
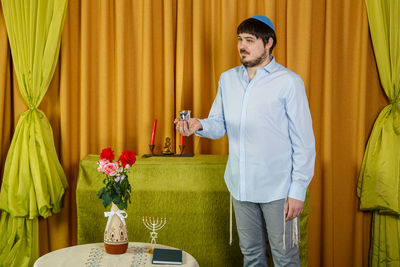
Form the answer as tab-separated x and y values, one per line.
271	65
269	68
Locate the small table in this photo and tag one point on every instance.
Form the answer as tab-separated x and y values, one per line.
95	255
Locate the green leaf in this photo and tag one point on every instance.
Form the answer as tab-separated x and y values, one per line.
101	192
117	192
116	199
122	206
106	199
117	189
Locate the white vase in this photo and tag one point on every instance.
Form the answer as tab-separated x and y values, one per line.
116	232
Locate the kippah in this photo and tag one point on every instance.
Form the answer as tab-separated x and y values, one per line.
264	20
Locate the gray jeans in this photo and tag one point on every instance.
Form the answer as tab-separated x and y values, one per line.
258	221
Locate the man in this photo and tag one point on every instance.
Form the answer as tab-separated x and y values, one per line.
263	108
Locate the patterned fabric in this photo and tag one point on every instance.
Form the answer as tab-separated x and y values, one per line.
94	255
138	256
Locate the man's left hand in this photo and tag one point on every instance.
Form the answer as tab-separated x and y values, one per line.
293	208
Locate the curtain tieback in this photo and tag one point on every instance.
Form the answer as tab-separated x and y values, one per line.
395	102
31	107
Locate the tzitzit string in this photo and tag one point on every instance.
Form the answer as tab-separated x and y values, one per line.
295	233
197	143
230	220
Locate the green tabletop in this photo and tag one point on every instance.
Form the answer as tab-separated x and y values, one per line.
189	191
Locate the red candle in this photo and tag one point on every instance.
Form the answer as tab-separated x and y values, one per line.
153	134
182	140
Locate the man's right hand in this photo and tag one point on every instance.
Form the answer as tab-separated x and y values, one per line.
187	128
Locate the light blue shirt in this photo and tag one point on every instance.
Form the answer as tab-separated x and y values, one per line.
271	140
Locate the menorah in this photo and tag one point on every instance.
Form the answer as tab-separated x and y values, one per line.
154	224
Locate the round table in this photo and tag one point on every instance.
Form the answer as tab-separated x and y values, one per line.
95	255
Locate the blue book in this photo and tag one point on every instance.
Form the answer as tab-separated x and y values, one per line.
167	256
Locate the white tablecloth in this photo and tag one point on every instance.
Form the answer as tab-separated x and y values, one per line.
94	255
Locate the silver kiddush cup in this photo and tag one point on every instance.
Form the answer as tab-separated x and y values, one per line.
184	115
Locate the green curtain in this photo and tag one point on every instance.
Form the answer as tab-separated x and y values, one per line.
379	182
33	181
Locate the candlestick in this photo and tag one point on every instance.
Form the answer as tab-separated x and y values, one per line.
181	148
153	134
152	149
182	140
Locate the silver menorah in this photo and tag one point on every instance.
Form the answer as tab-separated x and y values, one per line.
154	224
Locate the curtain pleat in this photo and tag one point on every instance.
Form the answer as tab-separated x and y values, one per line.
6	119
379	182
33	182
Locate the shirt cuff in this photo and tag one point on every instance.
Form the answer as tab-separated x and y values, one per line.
202	132
297	191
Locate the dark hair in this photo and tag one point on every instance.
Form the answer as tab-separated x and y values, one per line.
258	29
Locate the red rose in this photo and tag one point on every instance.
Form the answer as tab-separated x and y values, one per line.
107	154
127	157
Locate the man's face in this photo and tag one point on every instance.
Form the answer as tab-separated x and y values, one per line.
251	50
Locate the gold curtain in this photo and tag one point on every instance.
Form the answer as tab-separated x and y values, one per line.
5	94
125	63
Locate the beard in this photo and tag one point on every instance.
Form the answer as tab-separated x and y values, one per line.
255	62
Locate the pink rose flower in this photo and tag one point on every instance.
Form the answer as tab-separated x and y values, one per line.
102	163
112	168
